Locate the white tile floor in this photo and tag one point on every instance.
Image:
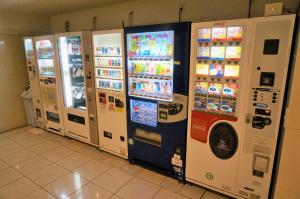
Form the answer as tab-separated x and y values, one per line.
35	164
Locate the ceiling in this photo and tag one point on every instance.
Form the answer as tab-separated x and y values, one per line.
51	7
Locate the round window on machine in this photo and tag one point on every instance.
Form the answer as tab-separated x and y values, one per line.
223	141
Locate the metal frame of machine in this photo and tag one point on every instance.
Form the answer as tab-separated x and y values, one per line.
157	120
50	83
109	63
34	80
79	107
233	151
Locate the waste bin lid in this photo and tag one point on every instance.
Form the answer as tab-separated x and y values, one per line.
26	94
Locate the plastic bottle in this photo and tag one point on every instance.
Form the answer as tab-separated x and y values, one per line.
164	45
158	45
152	45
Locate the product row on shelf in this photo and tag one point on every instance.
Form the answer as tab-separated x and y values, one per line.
109	73
151	88
220	34
108	62
216	89
215	105
218	70
113	85
151	68
108	51
154	44
232	53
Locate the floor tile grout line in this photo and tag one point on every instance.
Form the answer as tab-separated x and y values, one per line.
26	139
90	157
203	194
44	151
33	172
160	188
124	185
23	176
68	196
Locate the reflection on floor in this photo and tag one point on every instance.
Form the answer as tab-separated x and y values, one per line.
40	165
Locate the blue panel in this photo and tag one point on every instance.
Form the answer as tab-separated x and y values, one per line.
143	112
173	134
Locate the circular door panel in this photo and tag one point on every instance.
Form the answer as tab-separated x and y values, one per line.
223	141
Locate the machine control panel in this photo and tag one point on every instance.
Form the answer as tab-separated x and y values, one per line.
31	68
172	111
111	101
260	122
269	67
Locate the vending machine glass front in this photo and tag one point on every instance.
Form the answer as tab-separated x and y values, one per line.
28	48
108	61
150	57
45	55
72	72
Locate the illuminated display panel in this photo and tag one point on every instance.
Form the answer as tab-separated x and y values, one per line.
154	44
150	65
234	33
71	62
202	69
200	103
215	88
28	48
228	107
232	71
213	105
217	53
233	53
218	34
201	88
150	68
230	90
216	70
217	97
160	89
143	112
204	35
203	52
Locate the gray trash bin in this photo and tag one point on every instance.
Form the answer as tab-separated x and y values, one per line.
27	100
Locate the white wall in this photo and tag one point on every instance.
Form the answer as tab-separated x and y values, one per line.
159	11
13	72
288	182
16	23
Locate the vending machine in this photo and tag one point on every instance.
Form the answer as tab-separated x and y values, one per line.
76	68
50	85
108	51
237	84
157	65
32	69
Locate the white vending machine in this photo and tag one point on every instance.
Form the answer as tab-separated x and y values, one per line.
108	53
34	81
50	85
238	73
76	65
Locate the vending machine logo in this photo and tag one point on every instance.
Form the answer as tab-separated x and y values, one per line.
209	176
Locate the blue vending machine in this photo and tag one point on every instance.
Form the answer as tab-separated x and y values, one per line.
157	72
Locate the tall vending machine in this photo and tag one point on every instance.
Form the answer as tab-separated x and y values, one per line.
157	65
50	85
34	81
237	85
75	58
108	51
